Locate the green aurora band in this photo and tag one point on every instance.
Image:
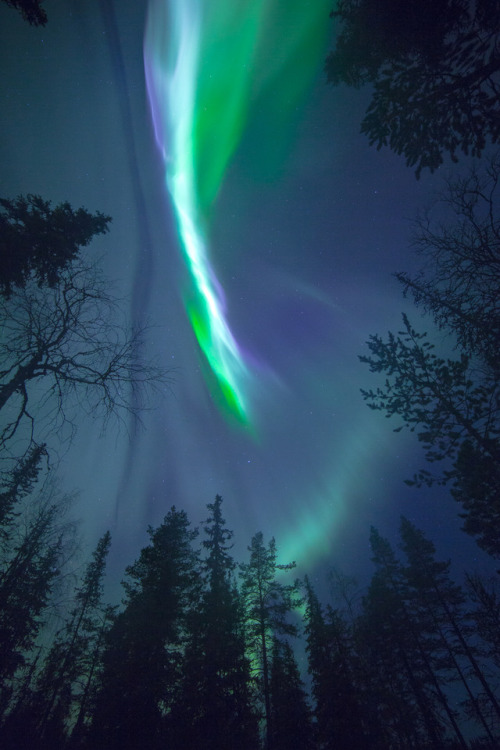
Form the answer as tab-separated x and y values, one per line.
209	64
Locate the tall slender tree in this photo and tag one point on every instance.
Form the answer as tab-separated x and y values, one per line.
58	694
432	592
399	643
267	604
485	595
33	553
453	404
340	682
214	709
291	716
142	660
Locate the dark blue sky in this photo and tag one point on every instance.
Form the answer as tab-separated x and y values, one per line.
304	256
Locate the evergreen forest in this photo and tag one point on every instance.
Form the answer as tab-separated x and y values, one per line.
205	651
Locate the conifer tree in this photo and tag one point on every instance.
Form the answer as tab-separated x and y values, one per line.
142	659
267	604
393	698
31	556
432	592
340	682
58	694
485	594
85	700
17	483
399	650
320	667
214	709
453	405
291	723
433	72
39	241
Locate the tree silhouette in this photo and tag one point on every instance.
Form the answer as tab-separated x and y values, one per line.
17	483
434	395
458	241
399	645
339	681
405	669
66	349
33	550
432	593
485	594
37	241
434	68
453	405
55	691
291	723
267	604
141	670
215	707
31	11
58	693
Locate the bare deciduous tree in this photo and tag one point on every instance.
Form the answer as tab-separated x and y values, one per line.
65	350
453	405
459	281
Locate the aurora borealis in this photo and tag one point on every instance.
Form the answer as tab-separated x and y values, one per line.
242	195
206	63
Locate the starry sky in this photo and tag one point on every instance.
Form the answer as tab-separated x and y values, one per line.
303	225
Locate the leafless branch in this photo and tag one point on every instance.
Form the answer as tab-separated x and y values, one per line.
67	350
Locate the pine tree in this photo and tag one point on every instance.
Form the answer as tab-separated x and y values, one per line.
32	554
391	693
267	604
320	668
142	659
214	709
485	594
442	602
18	483
340	682
58	694
38	241
453	405
433	70
399	650
291	723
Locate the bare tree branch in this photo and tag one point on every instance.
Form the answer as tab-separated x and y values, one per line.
67	350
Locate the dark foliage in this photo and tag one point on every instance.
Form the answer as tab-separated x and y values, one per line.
339	682
406	667
67	350
291	723
39	241
19	482
453	405
215	707
31	11
32	551
141	668
458	241
267	605
434	67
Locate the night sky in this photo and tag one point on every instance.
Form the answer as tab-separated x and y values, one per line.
306	229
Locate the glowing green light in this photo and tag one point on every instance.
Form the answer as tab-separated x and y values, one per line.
208	63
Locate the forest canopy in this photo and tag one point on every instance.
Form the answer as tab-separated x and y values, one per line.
202	650
434	68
